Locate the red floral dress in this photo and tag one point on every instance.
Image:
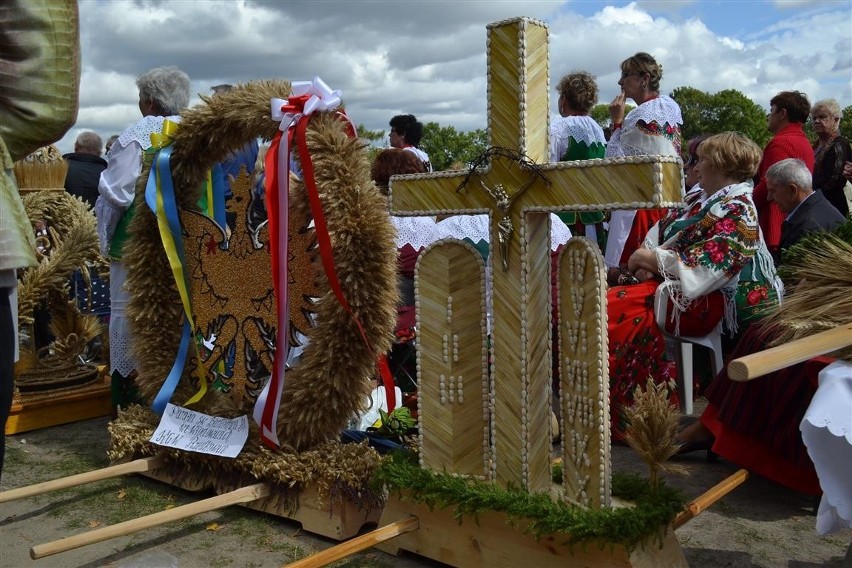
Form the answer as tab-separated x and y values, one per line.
713	263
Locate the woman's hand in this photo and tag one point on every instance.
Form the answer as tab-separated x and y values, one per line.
847	170
642	275
643	259
616	109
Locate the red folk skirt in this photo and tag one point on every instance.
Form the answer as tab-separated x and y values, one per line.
637	349
756	423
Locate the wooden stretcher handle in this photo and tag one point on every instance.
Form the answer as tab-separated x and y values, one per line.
706	499
136	466
357	544
771	360
242	495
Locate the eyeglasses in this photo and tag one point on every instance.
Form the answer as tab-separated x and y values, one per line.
821	118
625	75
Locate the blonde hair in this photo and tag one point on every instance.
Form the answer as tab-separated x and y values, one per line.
733	153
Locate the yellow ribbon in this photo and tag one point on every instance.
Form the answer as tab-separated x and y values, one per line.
163	138
159	141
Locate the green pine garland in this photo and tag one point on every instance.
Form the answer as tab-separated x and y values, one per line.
654	511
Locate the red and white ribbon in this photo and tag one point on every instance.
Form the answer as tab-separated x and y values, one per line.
306	98
293	115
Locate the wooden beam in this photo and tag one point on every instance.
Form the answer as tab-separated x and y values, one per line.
715	493
137	466
771	360
357	544
242	495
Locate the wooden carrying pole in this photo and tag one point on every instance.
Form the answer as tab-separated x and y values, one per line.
765	362
357	544
242	495
136	466
715	493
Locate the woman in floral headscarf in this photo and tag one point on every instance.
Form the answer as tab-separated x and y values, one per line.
710	258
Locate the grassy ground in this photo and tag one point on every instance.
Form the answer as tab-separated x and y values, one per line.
758	525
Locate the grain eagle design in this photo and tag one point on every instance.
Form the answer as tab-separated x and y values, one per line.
232	282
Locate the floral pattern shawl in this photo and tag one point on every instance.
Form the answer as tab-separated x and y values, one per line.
715	244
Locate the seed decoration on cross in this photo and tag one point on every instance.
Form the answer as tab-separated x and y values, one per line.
518	189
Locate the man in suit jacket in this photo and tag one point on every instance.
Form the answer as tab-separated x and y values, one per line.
84	167
788	185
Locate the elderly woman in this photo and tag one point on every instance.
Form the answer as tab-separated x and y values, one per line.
652	128
163	93
708	257
574	135
831	152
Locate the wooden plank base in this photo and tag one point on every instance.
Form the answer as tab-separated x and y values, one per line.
343	521
339	522
52	409
491	541
195	484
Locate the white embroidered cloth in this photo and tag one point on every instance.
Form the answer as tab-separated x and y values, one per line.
827	433
420	232
580	128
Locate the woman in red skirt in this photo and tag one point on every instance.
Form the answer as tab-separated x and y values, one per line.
710	258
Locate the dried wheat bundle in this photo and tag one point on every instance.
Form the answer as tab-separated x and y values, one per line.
73	231
652	428
820	299
73	331
50	279
60	211
332	467
44	169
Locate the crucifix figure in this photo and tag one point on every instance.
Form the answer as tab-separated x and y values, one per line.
504	201
520	372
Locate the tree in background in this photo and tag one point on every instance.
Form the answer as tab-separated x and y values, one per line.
846	123
372	139
448	147
704	113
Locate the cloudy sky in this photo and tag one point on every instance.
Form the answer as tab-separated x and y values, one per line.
427	57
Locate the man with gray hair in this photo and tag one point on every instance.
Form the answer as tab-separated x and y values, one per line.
84	167
789	185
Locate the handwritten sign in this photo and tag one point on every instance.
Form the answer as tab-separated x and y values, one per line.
196	432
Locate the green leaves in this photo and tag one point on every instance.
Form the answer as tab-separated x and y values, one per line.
397	423
451	149
705	113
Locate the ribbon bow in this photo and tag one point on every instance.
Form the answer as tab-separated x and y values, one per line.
160	140
307	97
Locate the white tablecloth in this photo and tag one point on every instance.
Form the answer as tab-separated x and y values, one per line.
827	433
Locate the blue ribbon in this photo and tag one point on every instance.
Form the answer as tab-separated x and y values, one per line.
161	176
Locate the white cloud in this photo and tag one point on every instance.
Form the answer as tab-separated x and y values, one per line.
427	57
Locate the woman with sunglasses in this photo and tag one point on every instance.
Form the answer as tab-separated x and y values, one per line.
652	128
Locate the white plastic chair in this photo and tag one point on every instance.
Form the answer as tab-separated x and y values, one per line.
683	352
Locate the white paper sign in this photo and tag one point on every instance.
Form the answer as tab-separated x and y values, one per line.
196	432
